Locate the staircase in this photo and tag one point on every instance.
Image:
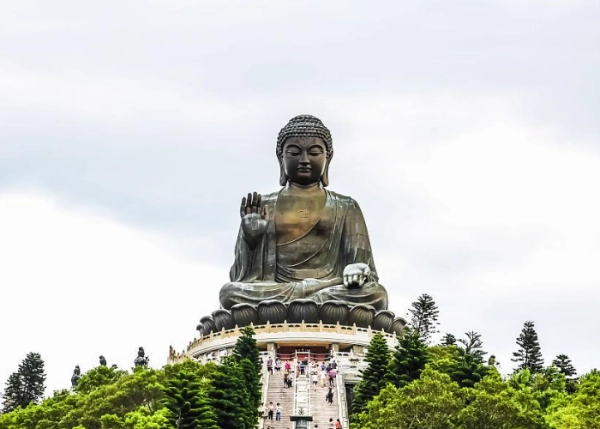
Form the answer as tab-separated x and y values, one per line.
277	393
320	409
314	404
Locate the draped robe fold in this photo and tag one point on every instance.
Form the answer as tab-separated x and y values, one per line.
258	275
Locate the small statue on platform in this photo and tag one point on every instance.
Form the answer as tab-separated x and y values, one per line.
76	376
303	241
141	359
102	361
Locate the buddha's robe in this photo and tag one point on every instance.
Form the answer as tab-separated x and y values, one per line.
310	266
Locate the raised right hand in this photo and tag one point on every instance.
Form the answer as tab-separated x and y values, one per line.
254	223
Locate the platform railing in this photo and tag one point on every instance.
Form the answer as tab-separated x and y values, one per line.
269	328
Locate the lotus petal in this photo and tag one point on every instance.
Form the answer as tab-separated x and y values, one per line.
362	315
209	325
223	319
332	312
244	315
305	310
398	325
383	320
271	311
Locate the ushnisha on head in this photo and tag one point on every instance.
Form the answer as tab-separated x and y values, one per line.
304	132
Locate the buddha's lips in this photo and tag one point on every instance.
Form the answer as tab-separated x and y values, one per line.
304	170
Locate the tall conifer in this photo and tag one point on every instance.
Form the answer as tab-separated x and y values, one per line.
375	375
25	386
247	355
424	317
187	403
565	366
448	340
529	355
230	397
409	359
13	393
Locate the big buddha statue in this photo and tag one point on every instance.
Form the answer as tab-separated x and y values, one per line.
304	241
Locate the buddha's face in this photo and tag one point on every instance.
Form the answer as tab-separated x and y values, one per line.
304	160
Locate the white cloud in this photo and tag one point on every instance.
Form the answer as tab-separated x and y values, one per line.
75	285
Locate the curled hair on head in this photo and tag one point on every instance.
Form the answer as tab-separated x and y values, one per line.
305	126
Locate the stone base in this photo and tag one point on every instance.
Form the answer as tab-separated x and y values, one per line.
301	310
340	340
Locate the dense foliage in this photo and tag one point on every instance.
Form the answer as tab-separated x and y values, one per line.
186	395
414	386
451	386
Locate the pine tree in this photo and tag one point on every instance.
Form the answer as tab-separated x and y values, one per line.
469	368
245	347
187	403
424	316
448	340
375	376
467	371
409	359
33	377
473	346
247	355
230	397
529	355
13	393
565	366
25	386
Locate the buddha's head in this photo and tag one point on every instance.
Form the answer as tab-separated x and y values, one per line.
304	150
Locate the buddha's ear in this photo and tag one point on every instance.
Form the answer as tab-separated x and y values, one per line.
283	179
325	176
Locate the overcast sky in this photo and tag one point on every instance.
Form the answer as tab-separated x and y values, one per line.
129	130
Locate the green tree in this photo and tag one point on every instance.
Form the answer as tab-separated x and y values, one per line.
469	368
424	317
580	410
448	340
375	375
473	346
493	404
26	386
33	378
432	402
13	393
230	397
98	377
409	359
187	403
247	355
548	386
443	358
529	355
565	366
142	388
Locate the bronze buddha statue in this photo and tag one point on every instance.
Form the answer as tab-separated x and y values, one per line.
303	241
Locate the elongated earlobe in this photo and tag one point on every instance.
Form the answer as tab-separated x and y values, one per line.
325	177
283	179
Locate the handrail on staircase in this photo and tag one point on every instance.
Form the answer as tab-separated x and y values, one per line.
342	403
265	391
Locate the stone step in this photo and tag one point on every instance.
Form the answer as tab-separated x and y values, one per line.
276	392
320	409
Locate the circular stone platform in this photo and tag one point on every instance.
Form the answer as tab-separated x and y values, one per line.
271	336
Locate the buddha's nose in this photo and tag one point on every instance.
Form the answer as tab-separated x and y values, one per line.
304	158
